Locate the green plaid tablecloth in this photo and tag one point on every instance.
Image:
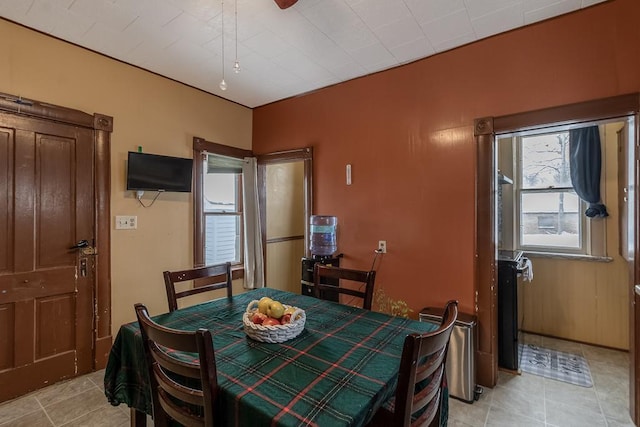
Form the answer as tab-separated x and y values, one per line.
337	372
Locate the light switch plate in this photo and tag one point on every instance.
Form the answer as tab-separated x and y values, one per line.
126	222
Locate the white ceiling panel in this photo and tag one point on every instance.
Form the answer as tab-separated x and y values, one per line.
47	15
401	32
541	10
448	27
478	8
15	10
267	44
408	52
153	11
356	37
378	13
282	53
453	43
109	41
430	10
374	57
105	12
499	21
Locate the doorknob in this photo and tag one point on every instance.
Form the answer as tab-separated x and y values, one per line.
637	289
84	248
81	244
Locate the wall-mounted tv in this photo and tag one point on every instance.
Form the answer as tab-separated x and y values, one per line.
152	172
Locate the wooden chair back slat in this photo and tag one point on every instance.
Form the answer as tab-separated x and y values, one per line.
205	279
191	403
178	414
177	390
165	360
366	278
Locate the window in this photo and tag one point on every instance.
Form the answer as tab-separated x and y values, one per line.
222	209
218	210
549	213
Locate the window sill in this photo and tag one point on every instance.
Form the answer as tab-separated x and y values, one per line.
572	257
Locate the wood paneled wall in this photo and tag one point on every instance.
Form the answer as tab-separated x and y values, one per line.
580	300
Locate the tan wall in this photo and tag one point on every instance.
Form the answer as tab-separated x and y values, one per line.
285	218
584	300
160	115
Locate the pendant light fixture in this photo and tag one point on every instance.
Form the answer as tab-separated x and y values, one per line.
236	65
223	84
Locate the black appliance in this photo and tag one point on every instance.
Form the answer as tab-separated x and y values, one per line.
307	274
152	172
510	265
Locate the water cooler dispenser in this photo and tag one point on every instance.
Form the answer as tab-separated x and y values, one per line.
322	245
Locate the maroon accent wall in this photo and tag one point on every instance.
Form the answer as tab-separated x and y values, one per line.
408	134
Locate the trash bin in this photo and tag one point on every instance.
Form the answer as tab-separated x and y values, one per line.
461	365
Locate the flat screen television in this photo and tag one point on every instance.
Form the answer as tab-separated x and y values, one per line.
152	172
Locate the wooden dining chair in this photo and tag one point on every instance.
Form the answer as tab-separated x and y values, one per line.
173	399
321	289
421	377
205	279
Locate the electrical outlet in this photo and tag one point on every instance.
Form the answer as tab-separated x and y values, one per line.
126	222
382	246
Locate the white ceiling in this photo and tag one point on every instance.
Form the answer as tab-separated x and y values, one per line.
282	53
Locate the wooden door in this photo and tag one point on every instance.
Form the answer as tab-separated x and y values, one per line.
46	206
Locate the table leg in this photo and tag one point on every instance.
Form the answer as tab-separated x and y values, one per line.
138	419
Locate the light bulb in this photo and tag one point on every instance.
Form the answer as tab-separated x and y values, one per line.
223	85
236	67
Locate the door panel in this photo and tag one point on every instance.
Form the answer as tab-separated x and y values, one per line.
6	184
6	335
55	211
51	338
45	304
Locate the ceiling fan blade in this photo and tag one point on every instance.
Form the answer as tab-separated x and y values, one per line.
283	4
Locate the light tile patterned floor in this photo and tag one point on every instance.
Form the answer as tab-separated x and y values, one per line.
76	402
517	400
529	400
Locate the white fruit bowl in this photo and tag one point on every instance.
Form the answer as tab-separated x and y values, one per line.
275	333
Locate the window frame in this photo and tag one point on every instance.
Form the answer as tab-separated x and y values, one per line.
201	148
238	212
594	233
584	233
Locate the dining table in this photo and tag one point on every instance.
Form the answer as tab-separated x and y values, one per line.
338	371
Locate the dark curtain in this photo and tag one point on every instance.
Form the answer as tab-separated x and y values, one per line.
586	159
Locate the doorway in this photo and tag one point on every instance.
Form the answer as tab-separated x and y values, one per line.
285	200
580	270
285	225
485	132
55	181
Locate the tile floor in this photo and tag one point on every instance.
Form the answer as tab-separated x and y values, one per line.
530	400
76	402
517	401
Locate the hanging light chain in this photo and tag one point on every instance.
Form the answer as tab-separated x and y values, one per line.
236	65
223	84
